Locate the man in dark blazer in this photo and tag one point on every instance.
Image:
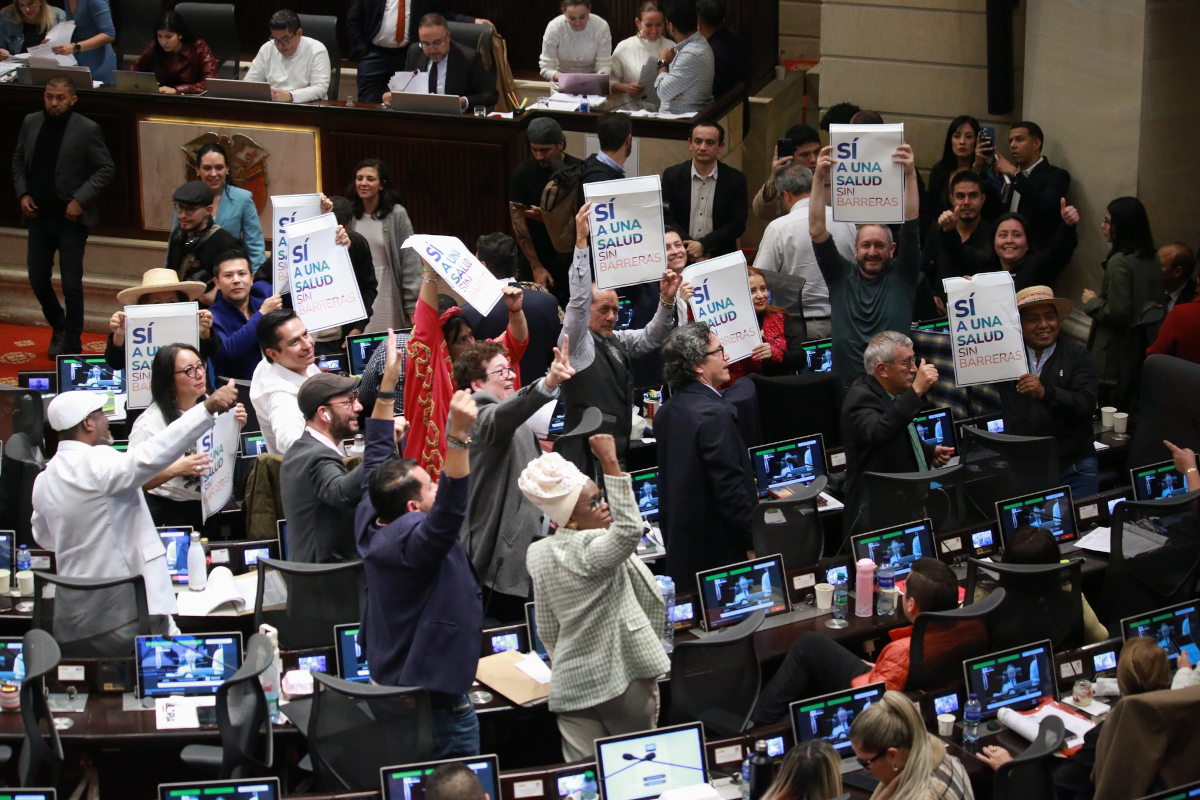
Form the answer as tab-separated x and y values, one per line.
424	612
877	416
376	42
706	489
454	69
319	493
1034	187
60	166
708	200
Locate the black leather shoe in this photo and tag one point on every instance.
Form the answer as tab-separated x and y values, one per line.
56	343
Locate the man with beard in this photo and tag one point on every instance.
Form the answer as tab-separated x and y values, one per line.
966	222
194	246
319	494
870	294
288	356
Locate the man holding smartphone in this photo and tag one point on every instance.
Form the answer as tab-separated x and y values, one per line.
801	145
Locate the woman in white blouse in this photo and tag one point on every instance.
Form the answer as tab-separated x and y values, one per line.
635	57
578	42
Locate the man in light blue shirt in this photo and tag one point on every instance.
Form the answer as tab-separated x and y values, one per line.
685	73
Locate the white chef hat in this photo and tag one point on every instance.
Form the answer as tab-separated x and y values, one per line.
553	484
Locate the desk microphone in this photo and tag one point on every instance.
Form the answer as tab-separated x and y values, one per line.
632	757
627	102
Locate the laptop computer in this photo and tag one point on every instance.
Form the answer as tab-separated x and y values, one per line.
178	541
37	74
245	789
898	546
582	83
558	420
792	462
1174	628
820	355
1018	678
193	666
360	348
238	90
39	380
32	794
730	594
1051	510
575	782
407	782
646	491
933	325
351	663
1155	481
139	82
120	445
829	717
501	640
640	766
535	641
427	103
936	429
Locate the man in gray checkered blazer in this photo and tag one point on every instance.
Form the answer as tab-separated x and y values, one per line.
599	610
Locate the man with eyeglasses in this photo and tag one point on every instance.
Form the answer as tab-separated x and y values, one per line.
706	484
501	523
453	68
319	493
878	413
296	66
194	246
708	200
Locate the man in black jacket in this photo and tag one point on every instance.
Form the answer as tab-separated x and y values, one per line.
194	246
380	32
453	69
1056	397
706	490
708	200
1032	185
877	417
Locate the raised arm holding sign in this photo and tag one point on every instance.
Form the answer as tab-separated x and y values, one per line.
720	296
628	232
148	328
868	184
459	267
325	292
986	329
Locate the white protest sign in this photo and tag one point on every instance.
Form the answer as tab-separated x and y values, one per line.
721	297
148	328
628	245
988	345
867	185
286	209
325	292
216	487
465	273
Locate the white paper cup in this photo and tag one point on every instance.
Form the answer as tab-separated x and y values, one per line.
1120	422
1106	417
780	72
824	596
5	581
945	725
25	582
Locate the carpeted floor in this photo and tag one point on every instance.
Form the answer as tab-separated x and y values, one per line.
24	348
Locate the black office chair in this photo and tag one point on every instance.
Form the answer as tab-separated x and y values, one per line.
41	756
893	498
324	30
1170	409
216	25
792	527
356	729
818	394
1030	775
573	445
716	680
136	32
1042	601
1156	560
942	640
999	466
93	617
476	37
305	601
247	743
786	292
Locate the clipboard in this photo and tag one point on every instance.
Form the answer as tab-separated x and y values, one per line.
500	674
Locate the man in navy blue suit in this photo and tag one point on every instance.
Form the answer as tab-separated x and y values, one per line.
424	605
706	487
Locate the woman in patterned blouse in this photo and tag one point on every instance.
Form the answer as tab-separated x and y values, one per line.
181	63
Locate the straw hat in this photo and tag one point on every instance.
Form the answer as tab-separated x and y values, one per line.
159	280
1036	295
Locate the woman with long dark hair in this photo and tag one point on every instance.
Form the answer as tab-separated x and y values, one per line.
781	351
383	222
1132	278
233	208
964	149
181	63
177	383
1013	251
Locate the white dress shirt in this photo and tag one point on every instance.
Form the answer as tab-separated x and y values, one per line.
325	440
703	188
149	424
273	391
1016	196
89	509
786	247
305	73
386	35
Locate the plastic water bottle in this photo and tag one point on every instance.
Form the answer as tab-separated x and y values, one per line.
24	560
841	598
667	586
197	569
971	716
885	604
760	771
270	676
864	588
746	775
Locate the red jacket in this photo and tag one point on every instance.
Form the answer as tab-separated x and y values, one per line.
186	72
1180	333
892	666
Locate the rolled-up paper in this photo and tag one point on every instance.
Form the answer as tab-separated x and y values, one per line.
1025	727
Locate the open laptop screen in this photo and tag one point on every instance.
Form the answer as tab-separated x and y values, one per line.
1017	678
820	355
791	462
898	546
830	716
1156	481
91	373
178	541
730	594
936	427
1051	510
360	348
639	766
246	789
1174	628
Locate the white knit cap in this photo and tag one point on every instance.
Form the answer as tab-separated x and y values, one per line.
553	484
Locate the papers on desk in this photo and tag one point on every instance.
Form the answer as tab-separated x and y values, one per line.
221	590
505	674
1100	446
560	101
658	114
180	713
1136	540
831	503
44	55
533	666
415	82
1098	541
1026	724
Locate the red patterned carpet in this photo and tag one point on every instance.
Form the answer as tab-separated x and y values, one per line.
23	348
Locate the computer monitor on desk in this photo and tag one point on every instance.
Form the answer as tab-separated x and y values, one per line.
830	716
793	462
1189	791
1174	628
935	428
252	443
246	789
360	348
89	373
1051	511
351	663
407	782
646	491
1156	481
12	659
8	550
1018	678
819	354
730	594
192	666
178	541
899	546
641	766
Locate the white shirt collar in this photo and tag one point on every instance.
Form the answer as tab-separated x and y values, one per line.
800	206
1026	172
276	372
325	440
712	174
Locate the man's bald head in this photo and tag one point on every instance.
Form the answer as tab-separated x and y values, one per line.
605	305
1178	266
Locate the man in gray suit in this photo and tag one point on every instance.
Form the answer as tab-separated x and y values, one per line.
500	522
60	166
319	493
